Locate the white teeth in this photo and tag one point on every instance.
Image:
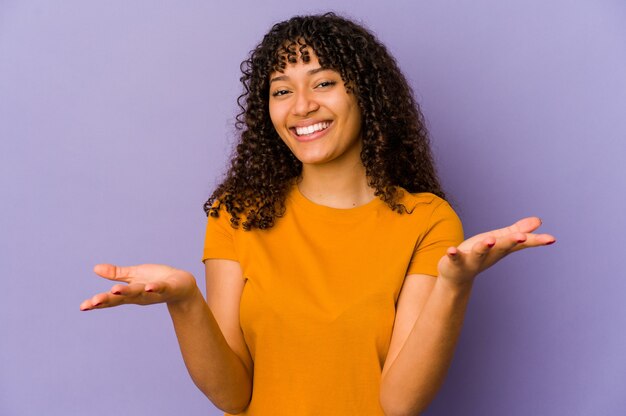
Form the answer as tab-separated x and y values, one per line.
312	128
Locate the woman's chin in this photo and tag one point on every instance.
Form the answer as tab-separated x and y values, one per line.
314	160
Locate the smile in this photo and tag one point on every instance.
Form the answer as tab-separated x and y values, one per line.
313	128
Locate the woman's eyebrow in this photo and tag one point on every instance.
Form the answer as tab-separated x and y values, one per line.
309	72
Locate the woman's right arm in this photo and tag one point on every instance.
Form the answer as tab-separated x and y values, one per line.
211	340
209	335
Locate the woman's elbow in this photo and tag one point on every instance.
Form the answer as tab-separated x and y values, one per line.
394	406
232	408
229	401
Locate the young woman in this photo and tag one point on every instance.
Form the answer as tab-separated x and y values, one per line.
336	274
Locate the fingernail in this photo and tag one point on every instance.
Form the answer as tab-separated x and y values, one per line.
97	304
150	290
116	292
491	244
521	241
550	242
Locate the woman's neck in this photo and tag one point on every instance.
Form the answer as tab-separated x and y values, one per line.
337	186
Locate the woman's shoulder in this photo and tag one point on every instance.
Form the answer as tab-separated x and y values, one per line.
426	204
420	200
443	220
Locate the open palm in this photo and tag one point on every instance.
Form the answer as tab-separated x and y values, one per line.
461	264
145	284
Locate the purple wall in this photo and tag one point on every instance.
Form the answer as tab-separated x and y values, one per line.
115	121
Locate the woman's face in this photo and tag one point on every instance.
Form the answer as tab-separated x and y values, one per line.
314	114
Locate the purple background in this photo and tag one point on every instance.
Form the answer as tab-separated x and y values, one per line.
115	122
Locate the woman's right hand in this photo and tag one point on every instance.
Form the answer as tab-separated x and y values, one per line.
145	284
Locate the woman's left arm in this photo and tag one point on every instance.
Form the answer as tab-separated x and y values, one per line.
430	314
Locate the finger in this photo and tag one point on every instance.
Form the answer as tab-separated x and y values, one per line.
101	300
456	256
85	305
526	225
509	243
537	240
481	248
113	272
452	252
129	291
474	259
156	287
120	295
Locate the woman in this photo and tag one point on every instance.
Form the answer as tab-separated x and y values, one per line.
336	277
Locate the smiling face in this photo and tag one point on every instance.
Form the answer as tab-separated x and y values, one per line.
314	114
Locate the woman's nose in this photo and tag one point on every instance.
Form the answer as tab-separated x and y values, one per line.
304	104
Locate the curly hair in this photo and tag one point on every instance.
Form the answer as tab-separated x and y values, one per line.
395	145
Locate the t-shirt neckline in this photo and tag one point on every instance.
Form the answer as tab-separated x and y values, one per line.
333	213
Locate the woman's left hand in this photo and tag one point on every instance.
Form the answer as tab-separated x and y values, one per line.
461	264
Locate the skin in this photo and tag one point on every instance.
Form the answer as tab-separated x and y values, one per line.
430	310
332	172
430	315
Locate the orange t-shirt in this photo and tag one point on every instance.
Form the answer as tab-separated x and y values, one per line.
318	305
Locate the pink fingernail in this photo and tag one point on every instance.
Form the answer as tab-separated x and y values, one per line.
150	290
491	244
521	241
550	242
116	292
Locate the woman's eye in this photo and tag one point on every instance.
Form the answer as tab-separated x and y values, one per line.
279	93
326	84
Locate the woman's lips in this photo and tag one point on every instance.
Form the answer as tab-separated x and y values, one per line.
312	136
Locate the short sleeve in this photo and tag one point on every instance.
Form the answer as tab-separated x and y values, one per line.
219	239
444	230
